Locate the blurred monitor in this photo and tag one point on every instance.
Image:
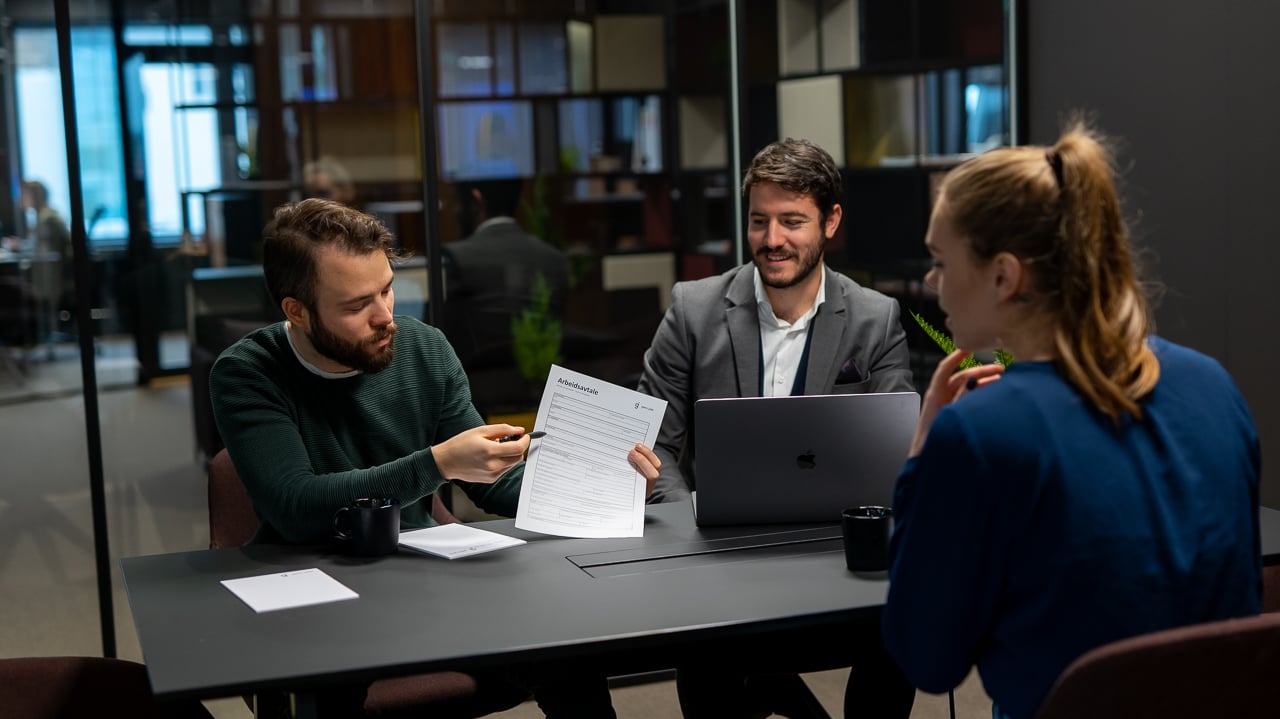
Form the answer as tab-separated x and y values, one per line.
985	125
486	140
233	226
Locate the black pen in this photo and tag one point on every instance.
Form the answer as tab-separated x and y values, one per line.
538	434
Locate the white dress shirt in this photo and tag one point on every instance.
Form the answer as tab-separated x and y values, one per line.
782	343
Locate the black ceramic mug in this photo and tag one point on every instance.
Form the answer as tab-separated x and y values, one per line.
369	527
866	538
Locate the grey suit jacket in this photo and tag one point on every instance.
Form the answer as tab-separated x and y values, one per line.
708	345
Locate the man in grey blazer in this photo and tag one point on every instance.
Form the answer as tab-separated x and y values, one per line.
782	325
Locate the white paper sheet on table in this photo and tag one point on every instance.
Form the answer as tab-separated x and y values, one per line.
455	540
297	588
578	481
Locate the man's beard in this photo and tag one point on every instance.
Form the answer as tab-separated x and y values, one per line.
361	354
807	263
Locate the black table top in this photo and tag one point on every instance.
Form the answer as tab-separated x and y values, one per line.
631	604
642	601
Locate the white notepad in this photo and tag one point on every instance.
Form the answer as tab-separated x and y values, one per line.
455	540
297	588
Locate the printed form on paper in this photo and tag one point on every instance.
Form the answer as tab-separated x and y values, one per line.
577	480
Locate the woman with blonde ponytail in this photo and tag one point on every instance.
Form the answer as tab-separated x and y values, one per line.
1104	485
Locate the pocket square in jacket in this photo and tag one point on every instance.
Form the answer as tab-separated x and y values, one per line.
849	373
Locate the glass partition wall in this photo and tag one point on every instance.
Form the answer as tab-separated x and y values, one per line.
596	140
50	552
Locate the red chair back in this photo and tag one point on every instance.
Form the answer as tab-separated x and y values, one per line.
72	687
1225	669
232	521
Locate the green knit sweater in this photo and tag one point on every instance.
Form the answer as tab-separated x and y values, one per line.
305	445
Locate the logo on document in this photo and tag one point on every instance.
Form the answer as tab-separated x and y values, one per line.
807	459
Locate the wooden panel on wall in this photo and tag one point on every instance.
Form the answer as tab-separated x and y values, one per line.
703	144
630	52
813	109
383	51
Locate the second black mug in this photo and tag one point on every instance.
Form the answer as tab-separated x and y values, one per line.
866	538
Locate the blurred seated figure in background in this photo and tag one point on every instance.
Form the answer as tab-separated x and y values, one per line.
1102	486
490	274
52	262
327	179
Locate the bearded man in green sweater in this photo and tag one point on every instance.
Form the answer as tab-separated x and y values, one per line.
343	400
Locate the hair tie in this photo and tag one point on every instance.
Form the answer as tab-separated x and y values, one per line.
1055	163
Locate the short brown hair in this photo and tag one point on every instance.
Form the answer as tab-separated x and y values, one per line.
1057	210
298	229
38	192
798	166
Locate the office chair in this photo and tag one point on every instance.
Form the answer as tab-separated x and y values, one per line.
451	695
19	329
1271	588
1224	668
72	687
232	521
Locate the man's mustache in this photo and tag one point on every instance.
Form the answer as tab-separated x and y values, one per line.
383	333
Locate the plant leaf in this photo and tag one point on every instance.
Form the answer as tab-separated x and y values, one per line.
943	341
1003	357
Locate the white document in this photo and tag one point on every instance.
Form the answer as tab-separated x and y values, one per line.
577	481
455	540
298	588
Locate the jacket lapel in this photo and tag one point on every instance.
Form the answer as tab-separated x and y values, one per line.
829	326
744	331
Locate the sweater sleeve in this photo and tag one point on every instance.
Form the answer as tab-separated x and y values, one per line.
458	415
946	556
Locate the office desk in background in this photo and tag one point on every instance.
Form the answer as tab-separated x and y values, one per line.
630	604
30	288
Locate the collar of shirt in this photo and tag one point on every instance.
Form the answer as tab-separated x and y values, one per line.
765	310
288	333
499	220
782	343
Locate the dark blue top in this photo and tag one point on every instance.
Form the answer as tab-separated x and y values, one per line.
1032	528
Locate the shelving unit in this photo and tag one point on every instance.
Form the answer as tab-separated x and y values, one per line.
313	77
620	110
898	91
574	100
700	84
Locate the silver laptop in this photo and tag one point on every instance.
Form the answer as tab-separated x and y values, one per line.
798	459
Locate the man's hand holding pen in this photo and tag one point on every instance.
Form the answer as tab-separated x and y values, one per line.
536	434
475	456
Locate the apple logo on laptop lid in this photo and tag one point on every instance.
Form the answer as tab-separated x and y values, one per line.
807	459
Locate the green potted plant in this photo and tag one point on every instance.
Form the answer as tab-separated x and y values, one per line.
536	337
